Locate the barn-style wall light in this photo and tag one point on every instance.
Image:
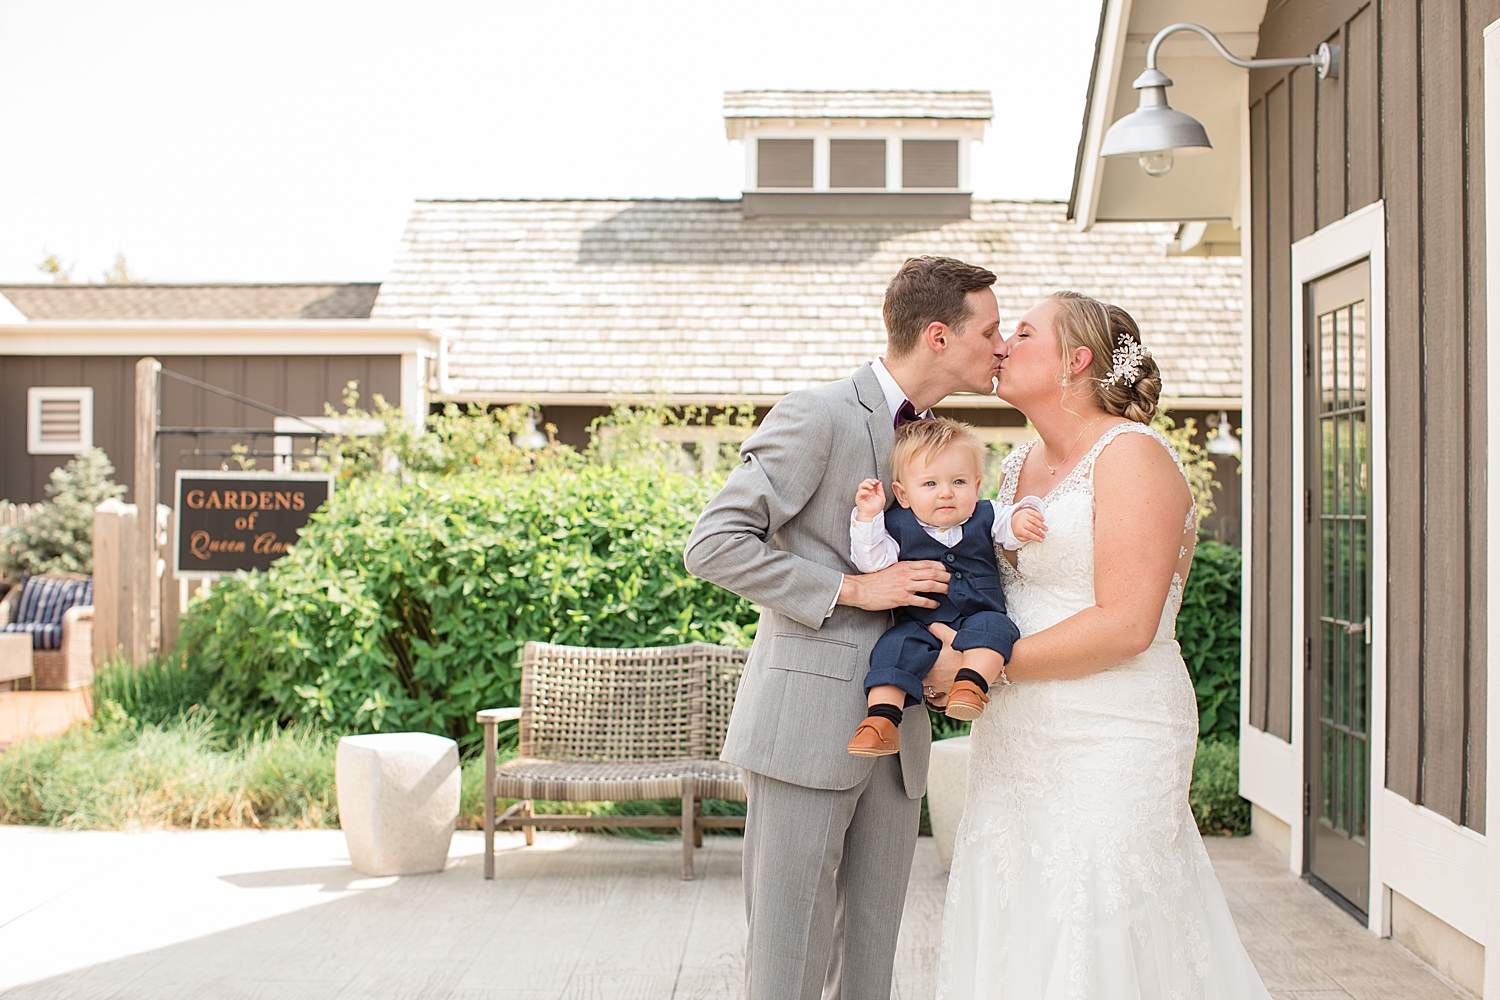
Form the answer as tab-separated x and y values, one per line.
1157	134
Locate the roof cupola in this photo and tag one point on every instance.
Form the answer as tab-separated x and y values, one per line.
876	155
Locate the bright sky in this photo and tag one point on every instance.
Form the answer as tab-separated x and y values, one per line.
285	141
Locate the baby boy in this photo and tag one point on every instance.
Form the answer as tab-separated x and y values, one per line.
935	472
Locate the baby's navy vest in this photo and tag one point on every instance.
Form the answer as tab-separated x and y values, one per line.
975	577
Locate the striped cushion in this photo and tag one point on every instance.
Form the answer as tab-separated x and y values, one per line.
44	599
43	635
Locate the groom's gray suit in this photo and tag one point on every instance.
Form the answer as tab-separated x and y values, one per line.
830	836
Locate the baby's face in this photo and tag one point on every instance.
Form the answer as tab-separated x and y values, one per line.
943	489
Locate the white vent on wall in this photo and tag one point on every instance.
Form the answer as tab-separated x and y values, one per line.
59	420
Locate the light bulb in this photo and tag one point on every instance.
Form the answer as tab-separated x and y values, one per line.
1157	164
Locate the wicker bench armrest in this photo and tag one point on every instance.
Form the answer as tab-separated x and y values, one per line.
498	714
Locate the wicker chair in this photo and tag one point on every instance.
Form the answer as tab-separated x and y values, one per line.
616	725
71	664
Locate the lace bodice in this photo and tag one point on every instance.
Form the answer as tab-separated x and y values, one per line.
1054	580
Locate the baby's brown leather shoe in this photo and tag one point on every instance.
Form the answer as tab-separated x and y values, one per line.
966	702
875	737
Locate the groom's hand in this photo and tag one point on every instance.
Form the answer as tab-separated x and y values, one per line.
899	585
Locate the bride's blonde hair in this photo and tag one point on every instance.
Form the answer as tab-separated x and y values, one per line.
1102	328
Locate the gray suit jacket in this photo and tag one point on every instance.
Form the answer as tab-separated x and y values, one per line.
778	534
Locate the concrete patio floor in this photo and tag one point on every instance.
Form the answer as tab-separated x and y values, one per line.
248	914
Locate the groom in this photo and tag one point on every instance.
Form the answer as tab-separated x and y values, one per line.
829	837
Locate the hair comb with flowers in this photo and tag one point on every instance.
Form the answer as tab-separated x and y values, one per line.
1127	362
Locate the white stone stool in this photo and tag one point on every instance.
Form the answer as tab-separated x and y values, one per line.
398	801
947	784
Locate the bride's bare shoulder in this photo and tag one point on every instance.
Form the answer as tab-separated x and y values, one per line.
1132	462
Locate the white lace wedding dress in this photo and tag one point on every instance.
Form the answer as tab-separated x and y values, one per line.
1078	871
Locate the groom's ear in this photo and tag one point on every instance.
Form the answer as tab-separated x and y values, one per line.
936	336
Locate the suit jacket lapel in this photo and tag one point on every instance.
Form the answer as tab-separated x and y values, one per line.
882	430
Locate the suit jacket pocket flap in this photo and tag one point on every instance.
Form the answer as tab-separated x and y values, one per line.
814	655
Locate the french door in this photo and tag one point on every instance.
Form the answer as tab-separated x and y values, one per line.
1338	583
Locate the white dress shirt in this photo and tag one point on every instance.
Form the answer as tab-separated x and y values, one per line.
894	397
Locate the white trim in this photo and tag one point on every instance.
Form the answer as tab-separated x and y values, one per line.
1435	863
1351	239
36	395
228	337
1102	111
1270	774
9	314
1492	489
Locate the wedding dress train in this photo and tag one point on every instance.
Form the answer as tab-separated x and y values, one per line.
1078	871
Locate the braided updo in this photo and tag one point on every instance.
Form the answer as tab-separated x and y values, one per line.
1102	328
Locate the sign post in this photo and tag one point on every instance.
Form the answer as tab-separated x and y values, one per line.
229	521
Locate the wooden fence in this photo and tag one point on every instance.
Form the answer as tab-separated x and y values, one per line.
12	514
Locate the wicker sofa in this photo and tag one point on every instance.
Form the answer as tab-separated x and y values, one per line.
616	725
56	611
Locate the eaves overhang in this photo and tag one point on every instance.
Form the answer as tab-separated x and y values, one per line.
1202	188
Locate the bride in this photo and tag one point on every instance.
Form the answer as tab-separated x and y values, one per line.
1078	870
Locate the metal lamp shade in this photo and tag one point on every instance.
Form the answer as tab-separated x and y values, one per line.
1153	126
1150	130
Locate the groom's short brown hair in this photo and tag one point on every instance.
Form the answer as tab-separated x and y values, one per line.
929	290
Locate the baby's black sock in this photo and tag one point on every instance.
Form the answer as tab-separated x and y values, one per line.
965	674
890	712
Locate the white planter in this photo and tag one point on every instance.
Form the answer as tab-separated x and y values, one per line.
947	785
398	801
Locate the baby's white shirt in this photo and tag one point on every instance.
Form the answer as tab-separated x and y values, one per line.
871	547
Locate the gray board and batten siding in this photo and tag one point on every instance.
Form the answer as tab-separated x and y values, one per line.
1403	121
299	385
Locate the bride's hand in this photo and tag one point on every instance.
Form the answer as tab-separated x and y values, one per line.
940	679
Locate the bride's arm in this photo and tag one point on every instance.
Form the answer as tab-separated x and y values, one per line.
1140	507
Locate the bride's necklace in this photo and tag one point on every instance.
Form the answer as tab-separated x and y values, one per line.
1052	469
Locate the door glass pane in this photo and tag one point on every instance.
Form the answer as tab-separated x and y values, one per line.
1341	782
1359	658
1360	458
1330	565
1326	365
1328	474
1330	655
1340	675
1341	571
1359	354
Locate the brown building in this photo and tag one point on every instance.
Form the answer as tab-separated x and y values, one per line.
67	370
1364	200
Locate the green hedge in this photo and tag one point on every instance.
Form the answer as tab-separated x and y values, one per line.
1208	630
405	605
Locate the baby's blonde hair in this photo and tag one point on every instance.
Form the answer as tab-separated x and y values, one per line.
924	439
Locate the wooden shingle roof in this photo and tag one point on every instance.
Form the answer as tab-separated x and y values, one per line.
970	104
683	297
327	300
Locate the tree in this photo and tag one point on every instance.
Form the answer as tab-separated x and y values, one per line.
60	537
52	265
118	273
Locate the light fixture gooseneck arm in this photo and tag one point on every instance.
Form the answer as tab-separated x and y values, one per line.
1326	59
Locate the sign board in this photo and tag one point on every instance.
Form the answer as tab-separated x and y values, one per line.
228	521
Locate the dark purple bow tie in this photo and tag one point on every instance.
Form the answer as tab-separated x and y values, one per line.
907	414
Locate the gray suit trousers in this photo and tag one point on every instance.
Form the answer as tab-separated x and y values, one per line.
825	882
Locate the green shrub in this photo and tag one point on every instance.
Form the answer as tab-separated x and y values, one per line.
60	537
158	691
118	773
1215	792
405	604
1208	630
